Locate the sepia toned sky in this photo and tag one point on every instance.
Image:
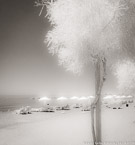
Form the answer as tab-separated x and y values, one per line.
26	67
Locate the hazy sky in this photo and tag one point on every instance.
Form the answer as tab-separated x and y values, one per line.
26	67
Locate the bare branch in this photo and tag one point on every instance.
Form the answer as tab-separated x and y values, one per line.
43	3
118	8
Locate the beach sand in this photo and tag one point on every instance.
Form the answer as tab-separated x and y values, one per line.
66	128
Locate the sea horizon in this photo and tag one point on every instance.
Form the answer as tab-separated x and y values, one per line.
13	102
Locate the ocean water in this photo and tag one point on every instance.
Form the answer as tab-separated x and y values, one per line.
10	103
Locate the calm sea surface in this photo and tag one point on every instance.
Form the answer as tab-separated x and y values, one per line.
12	103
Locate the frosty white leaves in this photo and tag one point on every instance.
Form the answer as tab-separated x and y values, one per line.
85	29
125	73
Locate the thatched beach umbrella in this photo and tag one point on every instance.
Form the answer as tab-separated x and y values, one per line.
45	100
74	100
62	100
83	100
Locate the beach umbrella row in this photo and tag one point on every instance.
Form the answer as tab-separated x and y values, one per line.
62	98
65	98
117	97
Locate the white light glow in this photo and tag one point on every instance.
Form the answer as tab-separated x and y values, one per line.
83	98
44	99
91	97
108	97
74	97
62	98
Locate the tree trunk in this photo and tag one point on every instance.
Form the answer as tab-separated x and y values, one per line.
98	122
98	103
100	67
93	125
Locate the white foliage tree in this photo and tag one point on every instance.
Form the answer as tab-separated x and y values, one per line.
125	73
85	31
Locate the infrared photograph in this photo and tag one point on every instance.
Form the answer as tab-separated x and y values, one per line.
67	72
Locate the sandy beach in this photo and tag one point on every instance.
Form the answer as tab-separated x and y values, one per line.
66	128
